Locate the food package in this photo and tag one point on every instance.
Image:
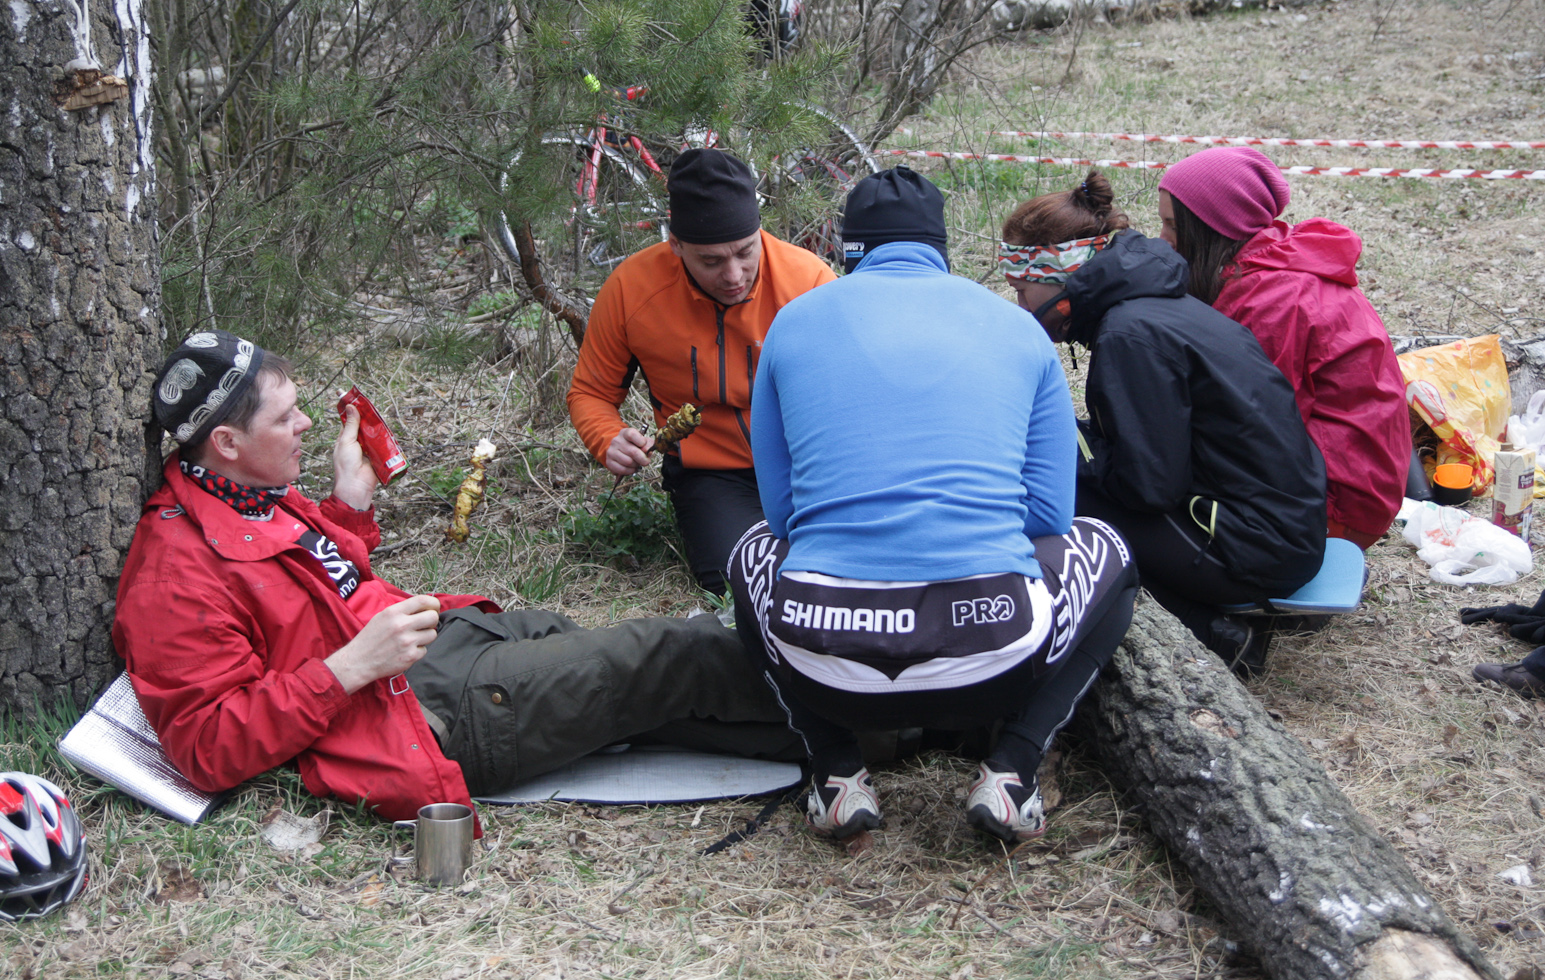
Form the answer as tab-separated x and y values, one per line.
1529	429
1461	391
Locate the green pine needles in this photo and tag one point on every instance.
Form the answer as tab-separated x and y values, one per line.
354	136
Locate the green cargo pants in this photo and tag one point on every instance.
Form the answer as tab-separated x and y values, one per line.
523	691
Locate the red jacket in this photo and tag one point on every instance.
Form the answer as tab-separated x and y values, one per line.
1296	290
650	316
224	624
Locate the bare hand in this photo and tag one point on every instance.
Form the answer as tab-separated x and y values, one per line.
354	481
628	452
394	640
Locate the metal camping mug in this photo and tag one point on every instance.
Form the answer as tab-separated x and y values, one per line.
442	842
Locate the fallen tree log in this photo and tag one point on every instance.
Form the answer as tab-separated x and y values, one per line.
1302	880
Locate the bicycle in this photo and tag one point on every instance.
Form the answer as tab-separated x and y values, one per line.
618	186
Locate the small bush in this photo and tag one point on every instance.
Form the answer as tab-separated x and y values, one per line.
637	522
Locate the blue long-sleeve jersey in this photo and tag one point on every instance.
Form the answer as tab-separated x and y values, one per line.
910	425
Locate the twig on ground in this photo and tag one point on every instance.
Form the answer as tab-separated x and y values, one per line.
1008	859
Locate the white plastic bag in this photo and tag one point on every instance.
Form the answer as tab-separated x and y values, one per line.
1528	429
1462	549
1453	572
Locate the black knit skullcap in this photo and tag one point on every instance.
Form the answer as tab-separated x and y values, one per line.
898	205
201	381
713	198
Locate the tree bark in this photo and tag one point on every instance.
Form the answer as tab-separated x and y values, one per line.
79	334
1300	877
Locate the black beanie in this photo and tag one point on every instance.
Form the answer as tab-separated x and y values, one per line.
201	381
713	198
898	205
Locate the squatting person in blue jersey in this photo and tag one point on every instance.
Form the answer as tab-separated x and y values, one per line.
920	564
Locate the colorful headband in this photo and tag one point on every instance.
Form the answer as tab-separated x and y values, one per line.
1048	263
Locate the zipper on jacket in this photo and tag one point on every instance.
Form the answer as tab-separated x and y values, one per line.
740	417
724	398
695	396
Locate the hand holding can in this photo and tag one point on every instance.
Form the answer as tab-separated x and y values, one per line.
375	439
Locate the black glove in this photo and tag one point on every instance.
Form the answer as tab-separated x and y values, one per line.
1524	622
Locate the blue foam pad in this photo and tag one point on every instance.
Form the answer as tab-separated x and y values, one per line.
1336	588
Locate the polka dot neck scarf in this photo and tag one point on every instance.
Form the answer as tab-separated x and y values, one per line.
253	503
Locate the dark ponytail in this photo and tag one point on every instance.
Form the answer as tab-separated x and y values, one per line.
1096	196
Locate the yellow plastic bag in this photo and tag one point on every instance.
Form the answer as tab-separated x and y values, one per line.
1461	391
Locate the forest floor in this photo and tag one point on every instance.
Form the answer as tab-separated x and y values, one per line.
1453	773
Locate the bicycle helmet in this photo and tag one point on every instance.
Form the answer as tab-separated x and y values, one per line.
42	848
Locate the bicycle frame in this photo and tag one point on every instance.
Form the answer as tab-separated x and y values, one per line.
600	136
586	188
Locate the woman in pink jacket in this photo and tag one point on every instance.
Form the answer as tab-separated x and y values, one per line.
1295	288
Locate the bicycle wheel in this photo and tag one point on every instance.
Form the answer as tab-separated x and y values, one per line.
806	187
613	210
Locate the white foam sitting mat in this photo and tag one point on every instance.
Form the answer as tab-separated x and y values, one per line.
653	774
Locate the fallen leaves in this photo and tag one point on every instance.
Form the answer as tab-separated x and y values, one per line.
859	844
174	883
1169	922
284	831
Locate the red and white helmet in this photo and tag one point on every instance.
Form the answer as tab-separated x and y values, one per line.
42	848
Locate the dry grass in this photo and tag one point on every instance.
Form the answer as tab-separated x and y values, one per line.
1452	773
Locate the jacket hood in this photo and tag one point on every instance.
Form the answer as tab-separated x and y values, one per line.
1131	267
1316	246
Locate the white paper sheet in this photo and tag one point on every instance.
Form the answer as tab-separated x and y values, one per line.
653	774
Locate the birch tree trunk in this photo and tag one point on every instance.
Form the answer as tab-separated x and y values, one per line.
79	334
1299	875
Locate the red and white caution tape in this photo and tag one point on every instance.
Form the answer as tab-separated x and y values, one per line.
1412	172
1155	165
1014	158
1274	141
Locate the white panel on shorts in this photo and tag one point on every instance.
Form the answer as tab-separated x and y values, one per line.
940	673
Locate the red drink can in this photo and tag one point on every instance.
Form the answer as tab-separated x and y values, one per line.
375	438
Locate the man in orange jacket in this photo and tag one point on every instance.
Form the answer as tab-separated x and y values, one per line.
690	314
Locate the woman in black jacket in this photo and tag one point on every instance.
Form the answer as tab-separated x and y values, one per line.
1194	449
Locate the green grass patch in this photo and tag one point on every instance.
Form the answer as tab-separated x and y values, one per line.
638	523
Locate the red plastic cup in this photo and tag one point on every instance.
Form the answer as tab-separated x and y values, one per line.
377	441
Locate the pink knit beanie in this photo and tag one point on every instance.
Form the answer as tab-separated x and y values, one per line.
1235	190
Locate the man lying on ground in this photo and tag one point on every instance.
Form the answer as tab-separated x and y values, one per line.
1526	623
256	633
